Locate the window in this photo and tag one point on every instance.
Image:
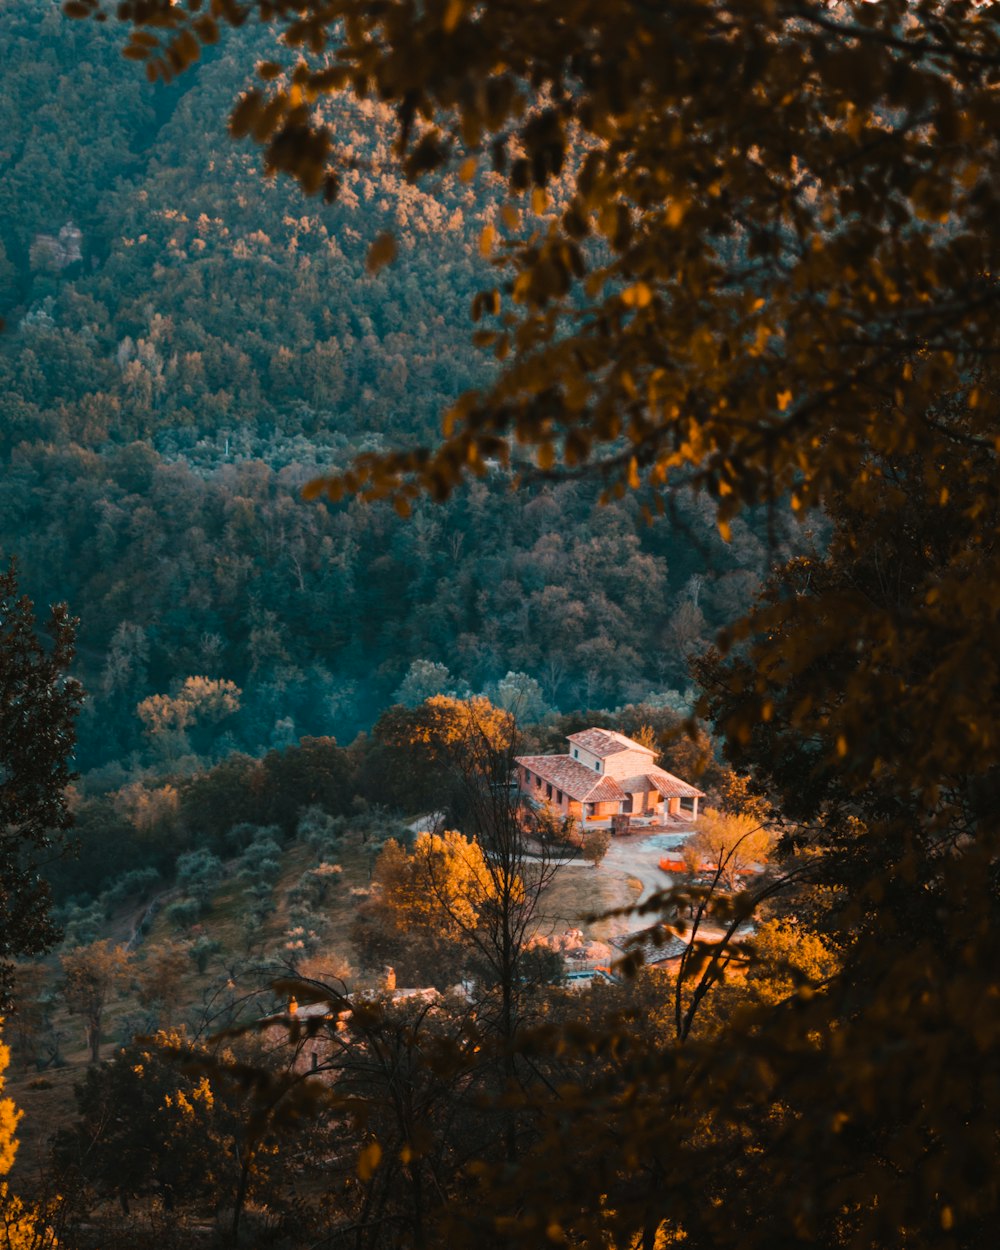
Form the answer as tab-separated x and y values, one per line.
598	765
548	792
576	754
558	796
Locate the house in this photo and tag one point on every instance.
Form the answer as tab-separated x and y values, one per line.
606	775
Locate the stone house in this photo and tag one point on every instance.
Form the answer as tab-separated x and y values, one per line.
605	775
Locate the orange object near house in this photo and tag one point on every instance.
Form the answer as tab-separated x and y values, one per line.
673	865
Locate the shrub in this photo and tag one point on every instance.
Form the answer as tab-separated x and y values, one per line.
199	873
203	950
184	913
136	884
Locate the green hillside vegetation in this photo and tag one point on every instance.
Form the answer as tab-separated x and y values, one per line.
188	895
193	950
207	343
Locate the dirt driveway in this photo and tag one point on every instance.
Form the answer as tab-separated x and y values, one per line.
630	873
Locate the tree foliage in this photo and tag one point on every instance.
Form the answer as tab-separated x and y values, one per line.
743	287
414	760
22	1226
440	881
786	958
596	845
9	1116
38	705
426	900
141	1127
216	346
149	1122
730	843
92	975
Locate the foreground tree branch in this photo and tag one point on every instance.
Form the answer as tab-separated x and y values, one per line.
719	219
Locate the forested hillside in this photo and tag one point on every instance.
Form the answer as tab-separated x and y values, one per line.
187	343
419	901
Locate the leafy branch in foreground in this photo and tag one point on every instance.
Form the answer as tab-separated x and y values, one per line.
779	247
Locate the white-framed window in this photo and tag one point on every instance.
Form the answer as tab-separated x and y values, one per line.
598	765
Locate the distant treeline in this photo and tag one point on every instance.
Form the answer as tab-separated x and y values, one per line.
398	770
314	614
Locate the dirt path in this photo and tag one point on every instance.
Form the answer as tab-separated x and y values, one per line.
630	873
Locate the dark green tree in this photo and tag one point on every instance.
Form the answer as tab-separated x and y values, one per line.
38	707
315	771
145	1127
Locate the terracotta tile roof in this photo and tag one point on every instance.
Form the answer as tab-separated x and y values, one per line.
573	778
667	950
605	791
672	787
659	946
605	742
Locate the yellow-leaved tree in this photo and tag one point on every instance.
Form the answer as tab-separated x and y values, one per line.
170	719
9	1117
428	903
442	883
730	844
22	1227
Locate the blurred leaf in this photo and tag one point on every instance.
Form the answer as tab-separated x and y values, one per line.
381	253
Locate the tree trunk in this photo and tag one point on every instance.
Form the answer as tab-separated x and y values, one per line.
240	1199
94	1039
508	991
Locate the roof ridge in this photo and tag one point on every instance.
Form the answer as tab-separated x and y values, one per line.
589	739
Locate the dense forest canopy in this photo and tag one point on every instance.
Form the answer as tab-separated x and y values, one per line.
188	344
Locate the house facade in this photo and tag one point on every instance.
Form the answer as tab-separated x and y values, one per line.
605	775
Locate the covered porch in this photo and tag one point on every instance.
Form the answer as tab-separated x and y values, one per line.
645	805
665	817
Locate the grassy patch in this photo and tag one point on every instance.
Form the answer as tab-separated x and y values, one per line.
45	1111
579	890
